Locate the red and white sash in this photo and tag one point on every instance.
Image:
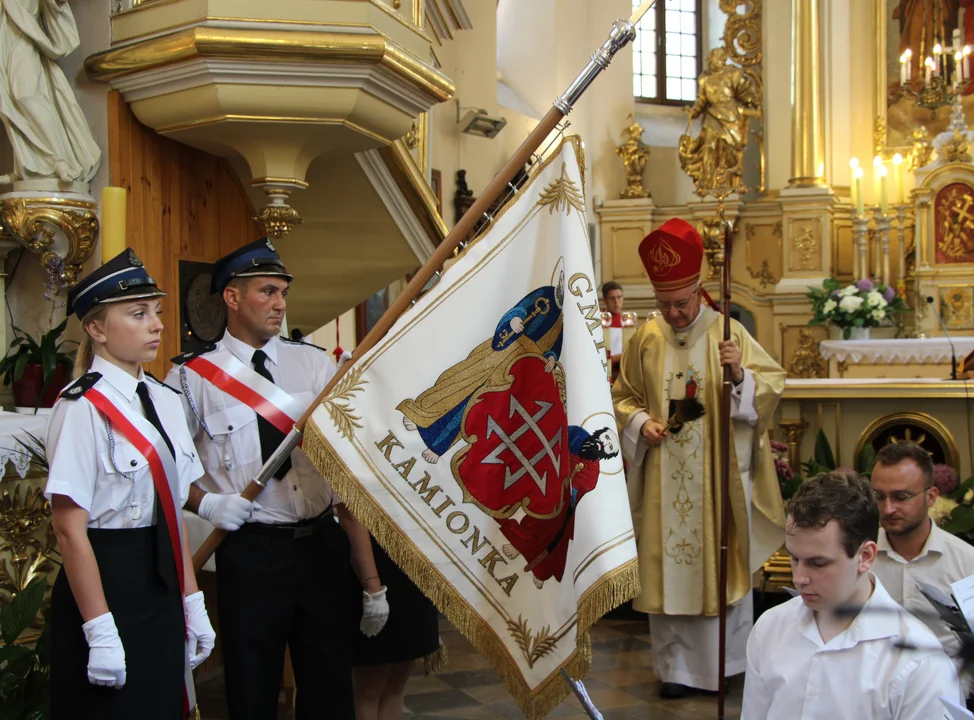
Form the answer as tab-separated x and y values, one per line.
225	371
165	477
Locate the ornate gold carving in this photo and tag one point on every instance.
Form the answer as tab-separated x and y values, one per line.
712	232
634	154
27	537
278	219
562	194
956	218
727	98
764	272
793	431
339	403
923	429
57	233
805	245
807	362
842	367
412	137
957	149
922	150
534	645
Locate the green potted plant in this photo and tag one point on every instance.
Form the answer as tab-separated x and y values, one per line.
25	666
36	370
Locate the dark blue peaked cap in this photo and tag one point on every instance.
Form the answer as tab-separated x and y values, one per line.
121	278
259	258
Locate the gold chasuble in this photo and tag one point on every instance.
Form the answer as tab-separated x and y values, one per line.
677	494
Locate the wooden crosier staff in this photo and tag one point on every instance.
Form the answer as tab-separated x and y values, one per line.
622	33
725	439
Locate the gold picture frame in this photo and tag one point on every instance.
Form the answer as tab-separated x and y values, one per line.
895	122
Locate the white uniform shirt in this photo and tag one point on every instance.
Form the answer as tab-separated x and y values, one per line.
858	675
944	559
80	455
233	457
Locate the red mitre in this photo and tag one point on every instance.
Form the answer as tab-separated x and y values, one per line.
672	255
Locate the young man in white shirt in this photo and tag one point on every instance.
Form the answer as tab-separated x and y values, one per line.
806	661
911	546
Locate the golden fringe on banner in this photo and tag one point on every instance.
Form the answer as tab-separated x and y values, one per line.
436	660
611	591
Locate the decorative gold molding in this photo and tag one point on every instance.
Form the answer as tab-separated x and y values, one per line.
39	226
807	361
805	243
922	420
793	430
169	129
777	572
764	273
407	175
26	537
247	45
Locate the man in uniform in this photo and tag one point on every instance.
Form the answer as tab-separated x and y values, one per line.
284	576
674	476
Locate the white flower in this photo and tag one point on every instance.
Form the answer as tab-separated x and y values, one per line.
968	497
875	299
878	314
848	291
829	306
850	303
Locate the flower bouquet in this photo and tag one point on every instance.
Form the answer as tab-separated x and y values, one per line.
863	304
788	480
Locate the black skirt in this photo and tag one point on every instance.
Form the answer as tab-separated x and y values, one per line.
412	631
148	612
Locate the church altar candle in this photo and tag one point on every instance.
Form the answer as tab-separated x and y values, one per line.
853	165
956	39
938	53
112	222
928	70
904	61
877	163
881	172
898	177
965	66
857	183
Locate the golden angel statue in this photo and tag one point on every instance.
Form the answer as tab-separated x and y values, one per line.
727	98
48	131
634	154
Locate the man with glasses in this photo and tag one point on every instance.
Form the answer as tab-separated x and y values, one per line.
806	661
674	477
911	546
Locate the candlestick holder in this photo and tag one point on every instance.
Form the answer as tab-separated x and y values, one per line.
860	225
883	225
901	236
935	94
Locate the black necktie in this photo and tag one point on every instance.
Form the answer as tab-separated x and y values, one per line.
270	436
166	557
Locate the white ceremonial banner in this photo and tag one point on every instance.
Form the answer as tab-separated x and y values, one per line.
478	444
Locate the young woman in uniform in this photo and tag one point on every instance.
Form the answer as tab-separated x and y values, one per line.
128	622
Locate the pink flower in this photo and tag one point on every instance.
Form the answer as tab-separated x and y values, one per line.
778	447
782	469
945	478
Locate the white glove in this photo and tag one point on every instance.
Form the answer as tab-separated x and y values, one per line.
106	656
375	612
227	512
199	632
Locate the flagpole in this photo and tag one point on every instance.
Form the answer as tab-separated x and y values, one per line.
623	32
725	440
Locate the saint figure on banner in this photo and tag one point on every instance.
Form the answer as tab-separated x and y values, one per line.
533	325
544	541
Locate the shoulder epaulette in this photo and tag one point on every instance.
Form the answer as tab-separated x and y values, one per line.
159	382
187	356
79	387
289	341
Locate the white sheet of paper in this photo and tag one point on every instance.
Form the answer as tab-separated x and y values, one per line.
964	595
955	711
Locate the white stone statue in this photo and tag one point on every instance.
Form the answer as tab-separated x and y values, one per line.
46	126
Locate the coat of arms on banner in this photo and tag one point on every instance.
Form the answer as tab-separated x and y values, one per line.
477	442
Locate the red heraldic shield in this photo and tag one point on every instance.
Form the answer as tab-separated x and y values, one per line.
518	452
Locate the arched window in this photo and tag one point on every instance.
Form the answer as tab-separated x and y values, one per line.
667	53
